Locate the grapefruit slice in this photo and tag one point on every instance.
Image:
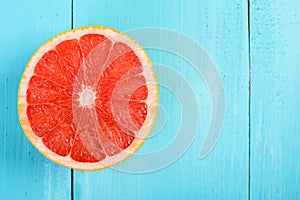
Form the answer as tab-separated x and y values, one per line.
87	98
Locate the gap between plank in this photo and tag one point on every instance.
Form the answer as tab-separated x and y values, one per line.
249	100
72	16
72	184
72	171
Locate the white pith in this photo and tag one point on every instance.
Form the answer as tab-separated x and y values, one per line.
87	97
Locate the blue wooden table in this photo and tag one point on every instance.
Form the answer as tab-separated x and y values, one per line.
255	46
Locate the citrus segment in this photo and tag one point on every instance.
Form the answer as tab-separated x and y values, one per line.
138	112
121	99
42	90
45	117
95	63
81	154
70	53
89	41
60	138
51	67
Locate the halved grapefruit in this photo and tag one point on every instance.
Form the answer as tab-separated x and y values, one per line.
88	97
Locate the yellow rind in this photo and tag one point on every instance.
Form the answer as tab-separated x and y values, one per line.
29	133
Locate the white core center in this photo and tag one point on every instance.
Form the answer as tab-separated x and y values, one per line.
87	97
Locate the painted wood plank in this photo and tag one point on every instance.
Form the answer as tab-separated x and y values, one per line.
24	172
275	109
221	28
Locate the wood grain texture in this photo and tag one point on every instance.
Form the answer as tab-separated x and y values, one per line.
221	28
24	172
275	102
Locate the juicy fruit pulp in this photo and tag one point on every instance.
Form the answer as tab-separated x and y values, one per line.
87	98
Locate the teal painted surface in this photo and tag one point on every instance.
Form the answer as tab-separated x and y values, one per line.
24	172
220	27
275	105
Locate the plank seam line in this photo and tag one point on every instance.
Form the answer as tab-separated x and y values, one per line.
249	97
72	16
72	184
72	171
